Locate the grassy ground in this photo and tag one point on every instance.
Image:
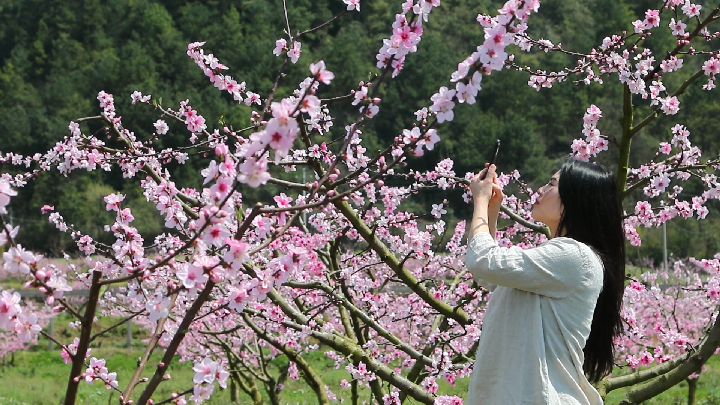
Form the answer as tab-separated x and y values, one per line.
39	377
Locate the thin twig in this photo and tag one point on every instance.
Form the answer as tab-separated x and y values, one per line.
299	34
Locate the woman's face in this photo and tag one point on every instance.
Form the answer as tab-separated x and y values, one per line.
548	209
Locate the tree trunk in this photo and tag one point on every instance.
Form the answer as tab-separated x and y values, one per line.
355	396
275	389
692	388
234	392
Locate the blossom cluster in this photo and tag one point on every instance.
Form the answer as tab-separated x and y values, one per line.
293	52
594	142
500	32
666	311
206	373
636	66
406	34
212	67
97	371
674	160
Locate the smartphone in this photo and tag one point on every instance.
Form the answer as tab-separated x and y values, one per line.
494	156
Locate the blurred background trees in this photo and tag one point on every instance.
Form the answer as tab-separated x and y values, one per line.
55	56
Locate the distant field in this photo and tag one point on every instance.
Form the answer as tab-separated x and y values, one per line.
39	377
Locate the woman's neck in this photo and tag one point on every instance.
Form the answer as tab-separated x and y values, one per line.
554	230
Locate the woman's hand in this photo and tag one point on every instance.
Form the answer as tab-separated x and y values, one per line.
488	197
486	189
486	208
496	199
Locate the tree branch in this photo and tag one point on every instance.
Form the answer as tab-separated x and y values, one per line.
124	320
646	180
177	339
84	343
666	380
373	324
311	376
624	156
656	112
457	314
142	362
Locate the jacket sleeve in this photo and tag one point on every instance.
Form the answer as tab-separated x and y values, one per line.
553	269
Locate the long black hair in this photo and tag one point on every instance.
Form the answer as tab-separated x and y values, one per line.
593	214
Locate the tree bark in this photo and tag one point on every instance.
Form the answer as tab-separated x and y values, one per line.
173	346
152	344
85	334
311	377
692	388
234	391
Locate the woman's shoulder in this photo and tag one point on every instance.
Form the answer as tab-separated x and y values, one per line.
569	242
589	259
570	245
566	243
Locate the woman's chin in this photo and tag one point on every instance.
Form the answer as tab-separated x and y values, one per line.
534	215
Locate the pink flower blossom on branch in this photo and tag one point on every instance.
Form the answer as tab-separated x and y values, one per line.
352	5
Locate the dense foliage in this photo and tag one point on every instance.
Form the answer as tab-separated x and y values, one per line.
55	56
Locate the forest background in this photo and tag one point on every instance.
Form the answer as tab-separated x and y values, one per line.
55	56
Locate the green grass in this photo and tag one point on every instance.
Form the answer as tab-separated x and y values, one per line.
39	377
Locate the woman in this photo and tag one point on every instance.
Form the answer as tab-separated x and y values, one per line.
549	327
